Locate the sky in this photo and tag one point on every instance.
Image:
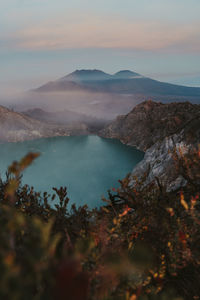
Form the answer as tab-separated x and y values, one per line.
42	40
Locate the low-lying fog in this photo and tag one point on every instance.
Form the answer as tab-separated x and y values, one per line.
98	105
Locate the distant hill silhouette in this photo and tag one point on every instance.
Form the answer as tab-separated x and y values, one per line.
122	82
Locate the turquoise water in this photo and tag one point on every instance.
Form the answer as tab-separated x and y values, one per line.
87	165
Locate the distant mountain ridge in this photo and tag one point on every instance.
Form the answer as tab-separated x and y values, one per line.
97	75
123	82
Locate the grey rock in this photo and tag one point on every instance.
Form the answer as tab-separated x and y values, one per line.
159	163
159	130
150	122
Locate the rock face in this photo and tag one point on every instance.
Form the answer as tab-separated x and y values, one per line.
159	129
159	162
150	122
16	127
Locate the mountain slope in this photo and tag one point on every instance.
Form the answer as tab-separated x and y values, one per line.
58	117
123	82
16	127
149	122
66	117
159	130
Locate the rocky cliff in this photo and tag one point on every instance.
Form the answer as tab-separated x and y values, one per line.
150	122
159	130
16	127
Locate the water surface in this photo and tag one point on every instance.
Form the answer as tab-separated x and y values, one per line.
87	165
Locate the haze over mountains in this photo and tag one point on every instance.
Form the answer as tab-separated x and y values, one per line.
192	80
66	117
122	82
101	95
94	97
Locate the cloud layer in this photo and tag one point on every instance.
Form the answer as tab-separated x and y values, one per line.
95	32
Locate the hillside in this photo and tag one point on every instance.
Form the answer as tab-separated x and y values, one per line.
162	131
16	127
145	239
65	117
122	82
150	122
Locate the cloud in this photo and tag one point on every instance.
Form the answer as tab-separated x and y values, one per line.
95	32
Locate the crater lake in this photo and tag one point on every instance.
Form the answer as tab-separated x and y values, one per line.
87	165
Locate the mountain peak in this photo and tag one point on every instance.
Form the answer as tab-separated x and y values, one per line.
95	75
87	74
126	74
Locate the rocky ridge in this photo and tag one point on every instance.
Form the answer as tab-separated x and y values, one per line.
158	130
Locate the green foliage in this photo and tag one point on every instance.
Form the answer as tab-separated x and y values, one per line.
144	244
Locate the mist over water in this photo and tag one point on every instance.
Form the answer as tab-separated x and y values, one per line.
87	165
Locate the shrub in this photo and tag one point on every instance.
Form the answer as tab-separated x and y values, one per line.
142	244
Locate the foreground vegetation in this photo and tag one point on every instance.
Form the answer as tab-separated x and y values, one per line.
144	243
